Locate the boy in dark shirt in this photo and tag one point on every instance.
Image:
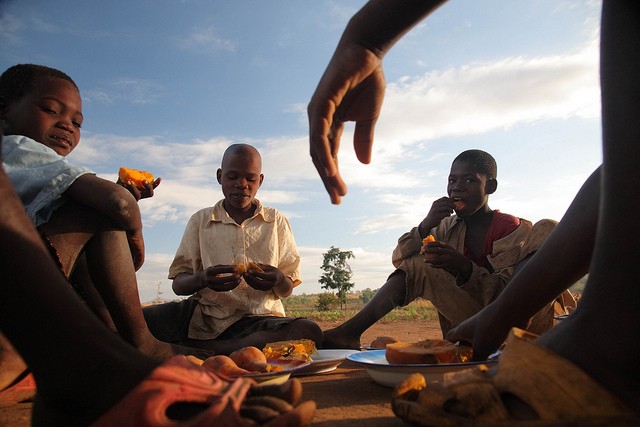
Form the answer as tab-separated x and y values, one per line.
467	266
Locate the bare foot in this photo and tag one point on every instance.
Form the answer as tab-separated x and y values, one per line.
336	338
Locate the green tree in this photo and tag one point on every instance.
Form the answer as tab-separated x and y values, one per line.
337	273
326	301
366	295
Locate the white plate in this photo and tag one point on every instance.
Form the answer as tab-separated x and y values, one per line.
279	377
324	361
375	362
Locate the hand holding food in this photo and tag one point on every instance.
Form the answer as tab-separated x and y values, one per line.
140	183
425	244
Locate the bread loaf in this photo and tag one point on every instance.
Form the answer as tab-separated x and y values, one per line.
431	351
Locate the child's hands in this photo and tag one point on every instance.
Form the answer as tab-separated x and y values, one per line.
264	280
441	255
440	209
221	278
140	193
270	279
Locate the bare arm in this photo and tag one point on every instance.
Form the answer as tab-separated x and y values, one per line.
116	203
352	87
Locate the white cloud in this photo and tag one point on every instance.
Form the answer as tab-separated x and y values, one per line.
10	25
125	90
206	40
478	98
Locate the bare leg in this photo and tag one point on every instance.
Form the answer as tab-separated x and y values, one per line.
389	296
591	336
76	356
112	272
298	329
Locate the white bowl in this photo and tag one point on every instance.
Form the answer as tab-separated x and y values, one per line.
390	375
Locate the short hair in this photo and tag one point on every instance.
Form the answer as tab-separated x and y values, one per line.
22	79
481	161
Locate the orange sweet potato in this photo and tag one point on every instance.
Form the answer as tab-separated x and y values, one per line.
137	177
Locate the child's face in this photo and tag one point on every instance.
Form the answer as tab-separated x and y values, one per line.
51	115
468	188
240	178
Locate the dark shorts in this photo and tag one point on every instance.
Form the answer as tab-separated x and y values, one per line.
169	322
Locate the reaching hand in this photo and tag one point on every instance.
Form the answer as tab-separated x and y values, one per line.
351	89
485	331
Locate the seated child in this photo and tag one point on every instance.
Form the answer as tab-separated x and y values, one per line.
87	375
228	310
91	226
467	266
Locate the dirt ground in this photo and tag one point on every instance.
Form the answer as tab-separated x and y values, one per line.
346	396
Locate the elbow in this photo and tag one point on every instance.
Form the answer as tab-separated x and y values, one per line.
126	210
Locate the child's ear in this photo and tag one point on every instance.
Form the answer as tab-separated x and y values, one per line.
491	186
261	180
219	176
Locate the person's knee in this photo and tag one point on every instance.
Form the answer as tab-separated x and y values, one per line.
305	329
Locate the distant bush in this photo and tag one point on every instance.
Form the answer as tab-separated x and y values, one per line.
327	301
310	306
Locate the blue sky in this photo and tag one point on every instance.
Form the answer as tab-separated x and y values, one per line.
167	85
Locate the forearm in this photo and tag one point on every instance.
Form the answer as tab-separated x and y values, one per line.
561	261
283	288
108	198
409	244
381	23
187	284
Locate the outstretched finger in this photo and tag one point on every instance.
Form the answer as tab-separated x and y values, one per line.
363	140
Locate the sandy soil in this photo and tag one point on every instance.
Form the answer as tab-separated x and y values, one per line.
328	390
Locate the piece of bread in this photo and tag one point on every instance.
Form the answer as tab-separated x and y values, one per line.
290	350
431	351
250	358
136	177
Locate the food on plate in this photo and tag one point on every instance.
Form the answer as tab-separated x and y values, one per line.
381	342
290	350
430	351
224	365
250	358
136	177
